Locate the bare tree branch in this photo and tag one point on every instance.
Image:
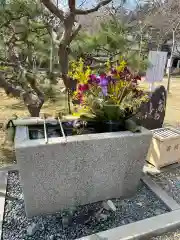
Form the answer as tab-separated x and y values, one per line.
6	64
94	9
54	9
74	34
72	4
32	81
82	3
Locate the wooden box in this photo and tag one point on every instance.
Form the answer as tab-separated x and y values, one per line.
165	147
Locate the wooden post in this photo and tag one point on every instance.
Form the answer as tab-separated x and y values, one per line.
170	63
171	57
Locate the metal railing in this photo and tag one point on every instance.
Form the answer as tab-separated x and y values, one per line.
61	128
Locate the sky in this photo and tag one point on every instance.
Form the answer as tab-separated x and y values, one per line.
130	3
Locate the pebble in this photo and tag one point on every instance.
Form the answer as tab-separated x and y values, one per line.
158	211
65	221
139	204
98	212
103	217
177	184
109	206
124	222
32	229
52	237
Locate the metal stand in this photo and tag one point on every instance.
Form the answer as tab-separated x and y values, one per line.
61	127
45	131
151	87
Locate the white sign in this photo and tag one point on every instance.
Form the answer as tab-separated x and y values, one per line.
169	63
155	72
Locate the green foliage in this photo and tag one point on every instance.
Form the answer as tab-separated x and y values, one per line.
108	109
50	92
101	110
21	22
23	34
2	3
137	62
113	39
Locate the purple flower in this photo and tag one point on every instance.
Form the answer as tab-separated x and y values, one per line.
111	80
103	81
93	79
103	84
104	90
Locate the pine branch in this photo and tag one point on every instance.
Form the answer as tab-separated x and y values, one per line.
7	64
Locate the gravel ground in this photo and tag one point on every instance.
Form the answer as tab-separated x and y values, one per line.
84	220
168	236
170	182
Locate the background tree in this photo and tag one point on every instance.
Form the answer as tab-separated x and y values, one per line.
24	42
71	28
158	18
29	28
26	33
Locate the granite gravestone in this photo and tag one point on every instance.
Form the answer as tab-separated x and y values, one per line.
151	114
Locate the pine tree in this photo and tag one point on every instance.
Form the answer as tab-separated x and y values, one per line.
113	40
24	47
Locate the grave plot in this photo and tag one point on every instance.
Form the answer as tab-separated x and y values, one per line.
79	222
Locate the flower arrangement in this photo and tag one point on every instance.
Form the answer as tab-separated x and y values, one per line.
109	97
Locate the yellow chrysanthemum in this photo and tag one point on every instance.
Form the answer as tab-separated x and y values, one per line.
79	71
121	66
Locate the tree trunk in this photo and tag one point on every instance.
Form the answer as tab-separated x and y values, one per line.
7	92
34	110
33	103
63	61
64	65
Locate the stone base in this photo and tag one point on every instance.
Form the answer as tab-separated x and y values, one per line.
85	169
